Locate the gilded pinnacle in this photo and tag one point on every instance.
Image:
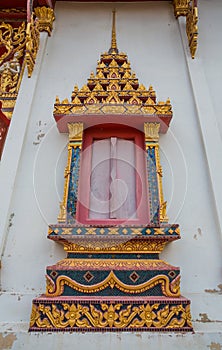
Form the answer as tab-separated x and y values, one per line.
113	49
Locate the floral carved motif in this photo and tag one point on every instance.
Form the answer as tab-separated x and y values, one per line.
74	316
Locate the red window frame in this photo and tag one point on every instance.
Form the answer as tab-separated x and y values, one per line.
142	202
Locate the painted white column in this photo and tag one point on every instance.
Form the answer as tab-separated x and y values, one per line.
206	117
15	139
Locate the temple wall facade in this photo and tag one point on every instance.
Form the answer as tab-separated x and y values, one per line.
34	159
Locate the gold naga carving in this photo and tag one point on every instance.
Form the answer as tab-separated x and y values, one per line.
32	45
25	37
43	22
192	28
189	9
114	316
20	48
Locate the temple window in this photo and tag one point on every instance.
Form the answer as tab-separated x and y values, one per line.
112	176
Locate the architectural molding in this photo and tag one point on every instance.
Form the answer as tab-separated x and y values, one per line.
180	7
19	46
32	45
14	141
207	122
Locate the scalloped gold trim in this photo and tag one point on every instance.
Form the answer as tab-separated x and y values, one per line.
169	289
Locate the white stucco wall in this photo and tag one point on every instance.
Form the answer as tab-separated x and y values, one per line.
150	35
211	51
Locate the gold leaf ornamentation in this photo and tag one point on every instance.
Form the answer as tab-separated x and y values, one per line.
14	10
75	131
192	28
87	264
45	17
180	7
164	108
100	246
32	44
8	100
13	39
74	316
114	90
113	109
148	110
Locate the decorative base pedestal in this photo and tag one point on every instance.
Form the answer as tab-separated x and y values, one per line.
112	280
110	314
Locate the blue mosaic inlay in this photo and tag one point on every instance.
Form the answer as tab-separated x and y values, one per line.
153	186
73	183
163	231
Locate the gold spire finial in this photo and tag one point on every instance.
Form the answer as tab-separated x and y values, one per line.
113	48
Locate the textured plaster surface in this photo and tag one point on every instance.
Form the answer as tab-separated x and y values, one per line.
17	337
